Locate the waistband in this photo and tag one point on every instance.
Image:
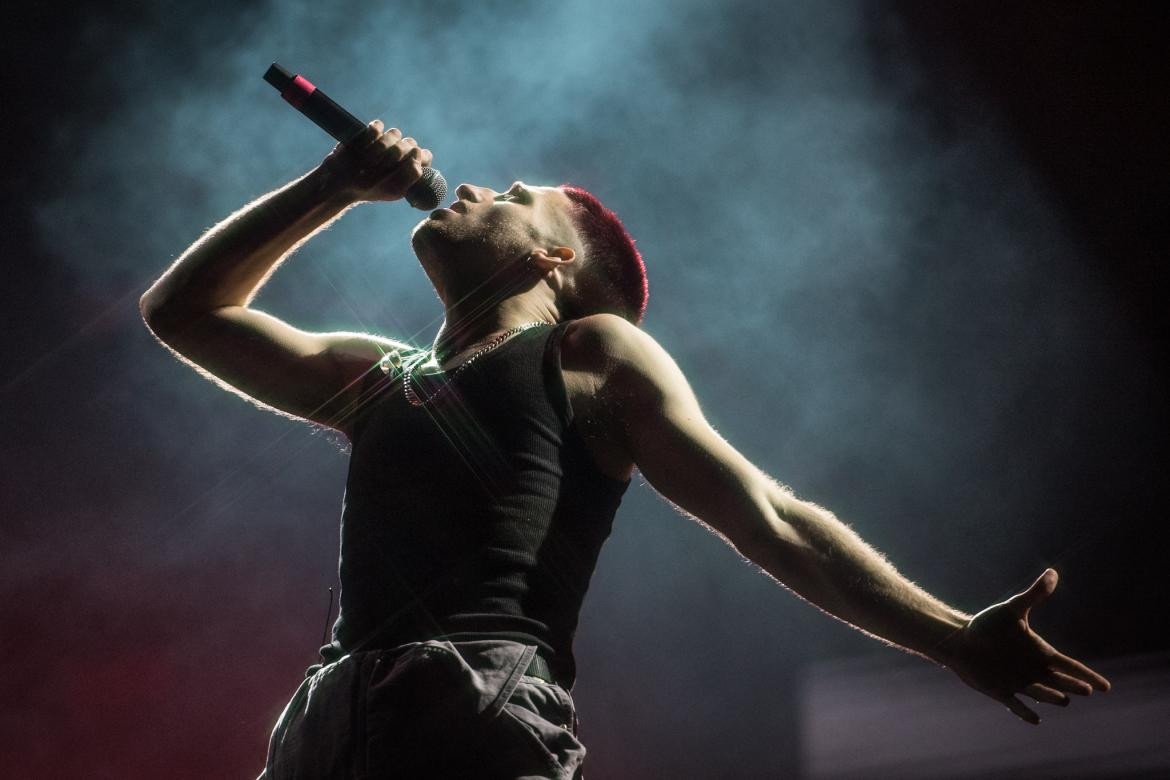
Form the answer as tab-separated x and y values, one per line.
538	667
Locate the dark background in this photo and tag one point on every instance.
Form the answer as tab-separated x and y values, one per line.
910	254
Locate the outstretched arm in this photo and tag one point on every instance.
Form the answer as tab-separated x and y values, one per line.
647	406
200	306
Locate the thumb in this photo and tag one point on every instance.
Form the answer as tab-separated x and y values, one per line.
1041	589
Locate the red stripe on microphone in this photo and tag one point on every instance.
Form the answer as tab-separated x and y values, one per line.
298	90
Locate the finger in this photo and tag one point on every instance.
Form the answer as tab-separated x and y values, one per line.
370	134
1041	589
1021	710
391	165
1063	682
418	153
1078	669
402	177
1047	695
410	155
399	150
389	138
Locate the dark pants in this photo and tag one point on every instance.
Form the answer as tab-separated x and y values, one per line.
432	709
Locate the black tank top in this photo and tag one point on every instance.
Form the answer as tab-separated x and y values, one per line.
477	515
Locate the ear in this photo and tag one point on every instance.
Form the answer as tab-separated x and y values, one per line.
552	258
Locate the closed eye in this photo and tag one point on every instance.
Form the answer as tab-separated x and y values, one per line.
516	192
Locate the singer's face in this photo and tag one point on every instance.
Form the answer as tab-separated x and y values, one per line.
485	231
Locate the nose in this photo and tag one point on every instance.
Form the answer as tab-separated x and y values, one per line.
468	192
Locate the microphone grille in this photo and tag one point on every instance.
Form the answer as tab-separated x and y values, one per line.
429	191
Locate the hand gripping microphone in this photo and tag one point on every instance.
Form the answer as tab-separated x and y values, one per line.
427	193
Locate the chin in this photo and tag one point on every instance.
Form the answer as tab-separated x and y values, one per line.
420	231
427	239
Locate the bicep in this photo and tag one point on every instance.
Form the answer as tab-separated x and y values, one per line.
657	418
314	376
686	460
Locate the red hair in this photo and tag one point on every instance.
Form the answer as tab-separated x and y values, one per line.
614	270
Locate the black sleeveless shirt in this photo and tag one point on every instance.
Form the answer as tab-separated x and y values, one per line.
477	515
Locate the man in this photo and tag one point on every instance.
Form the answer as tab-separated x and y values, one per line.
485	473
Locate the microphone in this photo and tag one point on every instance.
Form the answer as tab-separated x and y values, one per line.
427	193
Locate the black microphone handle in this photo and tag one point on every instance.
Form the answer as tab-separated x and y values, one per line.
427	193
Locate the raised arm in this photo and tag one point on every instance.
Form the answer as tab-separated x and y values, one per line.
200	306
647	407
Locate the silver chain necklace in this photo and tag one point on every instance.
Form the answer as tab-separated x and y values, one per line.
409	366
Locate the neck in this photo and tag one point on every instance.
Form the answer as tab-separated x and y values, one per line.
466	328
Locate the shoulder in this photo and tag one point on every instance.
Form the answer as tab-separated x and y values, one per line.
603	341
624	361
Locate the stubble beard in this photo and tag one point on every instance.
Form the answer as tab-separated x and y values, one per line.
464	260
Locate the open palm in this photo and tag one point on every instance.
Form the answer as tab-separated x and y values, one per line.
997	653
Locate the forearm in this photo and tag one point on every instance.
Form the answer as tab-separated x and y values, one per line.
230	263
822	560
